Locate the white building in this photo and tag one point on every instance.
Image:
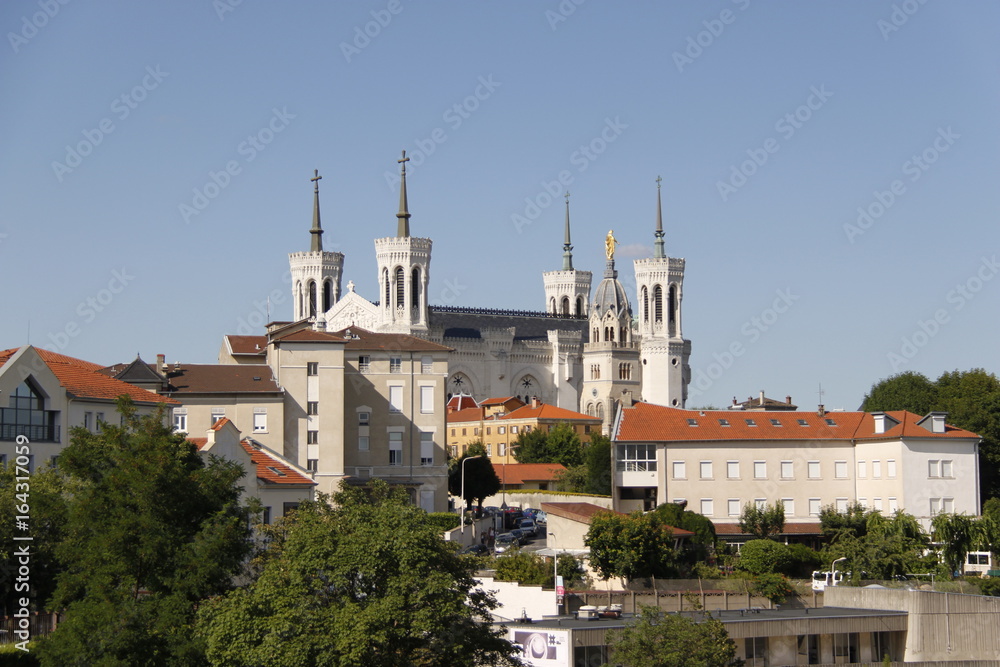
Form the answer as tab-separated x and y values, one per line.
718	461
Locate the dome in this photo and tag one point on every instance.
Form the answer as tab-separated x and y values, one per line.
610	295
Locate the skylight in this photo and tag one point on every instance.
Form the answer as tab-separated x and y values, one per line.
723	422
751	422
775	422
692	422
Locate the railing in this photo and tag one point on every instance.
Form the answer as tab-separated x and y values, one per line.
9	432
505	311
38	624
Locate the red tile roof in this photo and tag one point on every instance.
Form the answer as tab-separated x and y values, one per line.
546	411
466	415
461	402
247	344
499	401
281	473
222	379
520	473
804	528
645	422
83	379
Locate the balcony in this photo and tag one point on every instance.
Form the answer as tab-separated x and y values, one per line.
36	425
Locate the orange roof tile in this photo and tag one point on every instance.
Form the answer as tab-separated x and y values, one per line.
281	473
83	379
461	402
519	473
466	415
805	528
645	422
498	401
546	411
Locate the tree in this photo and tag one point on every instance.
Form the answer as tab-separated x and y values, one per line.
633	546
151	529
564	446
905	391
875	546
764	557
597	458
699	546
363	582
531	446
47	498
958	534
481	480
656	639
762	522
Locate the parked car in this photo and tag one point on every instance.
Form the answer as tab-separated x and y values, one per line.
505	542
541	517
528	526
475	550
521	536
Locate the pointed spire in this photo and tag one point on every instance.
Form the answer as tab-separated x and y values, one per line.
403	226
317	229
567	247
658	244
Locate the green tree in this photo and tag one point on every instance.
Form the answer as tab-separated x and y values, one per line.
151	529
762	522
481	480
655	639
957	534
597	458
702	543
875	546
531	446
46	491
904	391
364	582
632	546
524	567
762	556
564	446
775	587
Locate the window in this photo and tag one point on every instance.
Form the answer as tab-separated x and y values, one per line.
876	470
501	430
396	448
723	422
759	469
363	443
946	469
707	507
99	423
841	505
88	420
755	650
787	471
260	420
489	449
217	414
933	468
312	368
862	470
680	470
814	471
265	517
395	364
706	469
396	399
513	429
692	422
364	417
475	431
877	504
863	502
427	449
180	420
893	505
463	431
750	422
426	365
733	507
760	503
364	363
502	449
789	505
312	437
802	422
830	422
637	458
840	469
890	468
595	372
948	505
312	407
775	422
733	469
488	430
453	451
427	400
814	507
312	465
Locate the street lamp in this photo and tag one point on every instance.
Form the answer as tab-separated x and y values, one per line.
461	497
555	572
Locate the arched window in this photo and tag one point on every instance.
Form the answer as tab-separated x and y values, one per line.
552	305
672	309
658	304
621	335
415	287
565	305
327	294
579	306
595	336
600	410
590	409
645	304
385	281
312	298
400	288
298	299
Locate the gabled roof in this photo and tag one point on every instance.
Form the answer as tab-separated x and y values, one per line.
585	512
252	345
490	402
645	422
362	339
137	371
222	379
461	402
466	415
520	473
272	470
546	411
83	379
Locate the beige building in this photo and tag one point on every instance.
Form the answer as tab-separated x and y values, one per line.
497	423
44	394
718	461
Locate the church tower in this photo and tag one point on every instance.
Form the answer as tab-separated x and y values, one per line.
315	274
664	351
567	291
611	365
403	272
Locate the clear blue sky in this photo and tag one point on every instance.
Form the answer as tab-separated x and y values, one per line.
829	101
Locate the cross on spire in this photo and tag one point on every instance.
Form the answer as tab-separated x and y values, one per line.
567	247
317	229
658	252
403	217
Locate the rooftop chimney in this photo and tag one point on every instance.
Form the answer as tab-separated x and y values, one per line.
788	400
161	363
821	410
762	397
534	401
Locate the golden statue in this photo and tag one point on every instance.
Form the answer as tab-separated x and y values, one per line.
609	244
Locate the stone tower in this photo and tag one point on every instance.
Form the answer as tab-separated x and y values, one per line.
315	274
567	291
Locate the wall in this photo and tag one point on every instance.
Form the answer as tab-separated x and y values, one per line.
535	499
514	598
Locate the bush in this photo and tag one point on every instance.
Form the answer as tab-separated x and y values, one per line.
764	557
11	656
989	586
524	568
774	587
802	561
703	570
443	520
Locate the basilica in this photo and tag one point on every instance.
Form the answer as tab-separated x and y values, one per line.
585	351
